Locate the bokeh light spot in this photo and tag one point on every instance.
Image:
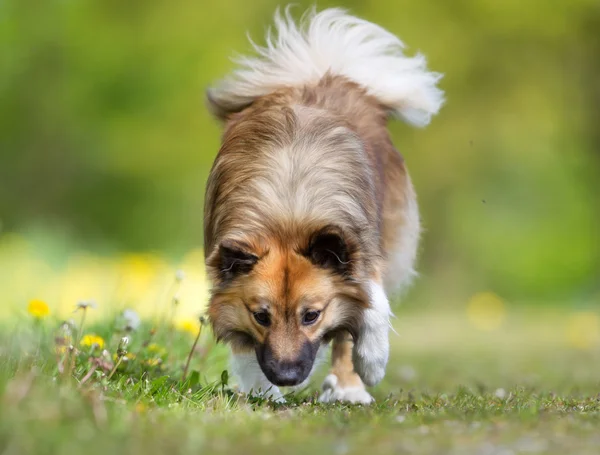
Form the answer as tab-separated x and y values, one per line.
486	311
583	330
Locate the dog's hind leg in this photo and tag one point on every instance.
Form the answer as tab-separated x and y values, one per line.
372	347
342	383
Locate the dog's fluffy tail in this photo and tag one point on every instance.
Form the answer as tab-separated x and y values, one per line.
333	42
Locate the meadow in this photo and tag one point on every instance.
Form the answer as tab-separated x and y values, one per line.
105	147
139	373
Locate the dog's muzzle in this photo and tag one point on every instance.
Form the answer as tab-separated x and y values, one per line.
287	372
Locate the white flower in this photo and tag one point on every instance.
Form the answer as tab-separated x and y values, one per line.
85	304
122	348
132	319
179	275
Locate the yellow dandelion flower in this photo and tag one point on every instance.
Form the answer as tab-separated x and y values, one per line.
92	340
38	309
189	325
129	357
62	350
154	362
486	311
154	348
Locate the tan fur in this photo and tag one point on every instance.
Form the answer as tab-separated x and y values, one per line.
276	121
311	220
292	163
341	362
288	284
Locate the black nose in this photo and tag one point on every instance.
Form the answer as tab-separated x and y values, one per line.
286	372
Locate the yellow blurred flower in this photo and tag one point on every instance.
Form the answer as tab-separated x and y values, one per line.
486	311
127	358
154	348
138	273
92	340
130	356
61	350
154	362
63	344
188	325
141	408
38	309
583	330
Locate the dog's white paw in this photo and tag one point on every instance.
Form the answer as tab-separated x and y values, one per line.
333	391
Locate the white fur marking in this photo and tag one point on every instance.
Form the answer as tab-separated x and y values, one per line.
371	350
252	380
332	392
335	42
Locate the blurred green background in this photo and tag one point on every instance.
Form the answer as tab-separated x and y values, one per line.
105	141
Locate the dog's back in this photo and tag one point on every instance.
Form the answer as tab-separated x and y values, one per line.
306	137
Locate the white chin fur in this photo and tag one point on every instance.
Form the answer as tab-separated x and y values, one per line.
251	380
337	43
371	350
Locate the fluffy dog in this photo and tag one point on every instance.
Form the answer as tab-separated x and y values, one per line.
311	219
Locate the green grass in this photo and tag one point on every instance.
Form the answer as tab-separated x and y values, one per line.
450	389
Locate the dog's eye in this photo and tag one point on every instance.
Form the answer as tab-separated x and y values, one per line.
263	318
310	317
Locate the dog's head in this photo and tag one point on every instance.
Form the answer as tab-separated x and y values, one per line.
283	299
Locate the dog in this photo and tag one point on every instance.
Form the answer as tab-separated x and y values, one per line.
311	219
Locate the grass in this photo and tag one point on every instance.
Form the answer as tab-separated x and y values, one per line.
527	385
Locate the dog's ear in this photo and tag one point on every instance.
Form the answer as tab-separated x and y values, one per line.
328	249
233	260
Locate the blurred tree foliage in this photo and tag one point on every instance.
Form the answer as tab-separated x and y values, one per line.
104	135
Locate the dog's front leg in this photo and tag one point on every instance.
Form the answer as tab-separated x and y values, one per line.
342	383
252	381
371	349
